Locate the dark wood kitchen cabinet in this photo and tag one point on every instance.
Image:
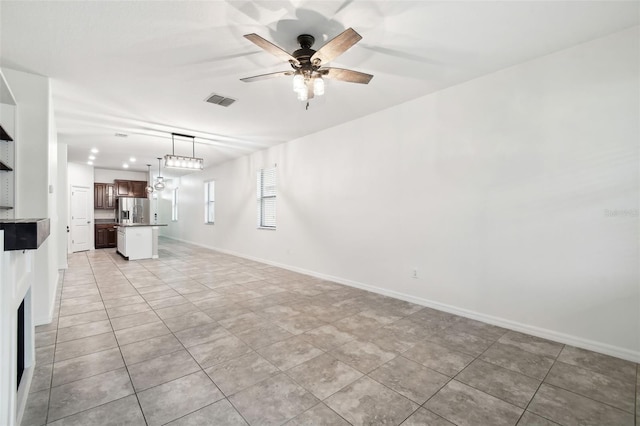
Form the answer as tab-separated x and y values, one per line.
130	188
104	196
106	235
98	195
122	188
110	197
138	188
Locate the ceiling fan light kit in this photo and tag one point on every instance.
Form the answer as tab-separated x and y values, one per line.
318	86
183	162
309	65
298	83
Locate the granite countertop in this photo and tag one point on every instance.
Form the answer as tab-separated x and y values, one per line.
24	234
105	221
130	225
34	220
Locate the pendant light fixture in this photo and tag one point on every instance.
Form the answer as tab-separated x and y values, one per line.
149	188
159	185
181	162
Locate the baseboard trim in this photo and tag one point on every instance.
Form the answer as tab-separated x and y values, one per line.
544	333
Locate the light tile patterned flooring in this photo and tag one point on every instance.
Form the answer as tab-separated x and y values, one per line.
203	338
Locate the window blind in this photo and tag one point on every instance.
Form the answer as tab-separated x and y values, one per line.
209	202
267	198
174	205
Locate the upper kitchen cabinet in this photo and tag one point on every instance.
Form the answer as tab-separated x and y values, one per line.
109	197
138	188
98	195
122	188
130	188
104	196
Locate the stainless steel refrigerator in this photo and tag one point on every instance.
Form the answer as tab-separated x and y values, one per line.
133	210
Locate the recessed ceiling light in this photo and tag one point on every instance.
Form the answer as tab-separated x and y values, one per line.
125	165
132	159
90	163
94	150
92	157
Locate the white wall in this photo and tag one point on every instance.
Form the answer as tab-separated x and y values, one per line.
104	214
35	172
108	175
62	206
498	191
52	212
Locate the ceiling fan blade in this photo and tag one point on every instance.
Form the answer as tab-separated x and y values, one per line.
271	48
266	76
349	76
337	46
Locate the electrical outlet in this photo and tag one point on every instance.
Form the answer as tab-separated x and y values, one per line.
415	273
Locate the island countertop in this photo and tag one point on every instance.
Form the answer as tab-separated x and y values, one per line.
105	222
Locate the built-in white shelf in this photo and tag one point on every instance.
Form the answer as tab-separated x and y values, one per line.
7	150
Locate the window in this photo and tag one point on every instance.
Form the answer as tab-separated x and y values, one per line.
209	200
174	205
267	198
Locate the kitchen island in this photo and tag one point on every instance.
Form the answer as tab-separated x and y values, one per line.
138	240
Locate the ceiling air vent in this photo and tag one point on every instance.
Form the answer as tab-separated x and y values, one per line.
220	100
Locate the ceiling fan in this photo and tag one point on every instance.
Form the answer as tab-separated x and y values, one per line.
309	65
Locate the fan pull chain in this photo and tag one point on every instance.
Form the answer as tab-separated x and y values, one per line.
307	107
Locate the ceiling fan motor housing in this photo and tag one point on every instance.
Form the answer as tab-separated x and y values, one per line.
306	41
304	54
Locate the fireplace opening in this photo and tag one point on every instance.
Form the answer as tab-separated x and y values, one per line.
20	342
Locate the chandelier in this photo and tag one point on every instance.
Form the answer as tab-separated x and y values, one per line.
182	162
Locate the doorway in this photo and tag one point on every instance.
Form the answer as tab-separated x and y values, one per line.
80	219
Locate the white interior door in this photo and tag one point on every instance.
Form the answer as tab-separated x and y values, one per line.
80	219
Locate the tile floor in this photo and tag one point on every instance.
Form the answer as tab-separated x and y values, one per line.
203	338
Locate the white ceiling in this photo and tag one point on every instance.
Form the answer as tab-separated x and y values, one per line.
145	68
